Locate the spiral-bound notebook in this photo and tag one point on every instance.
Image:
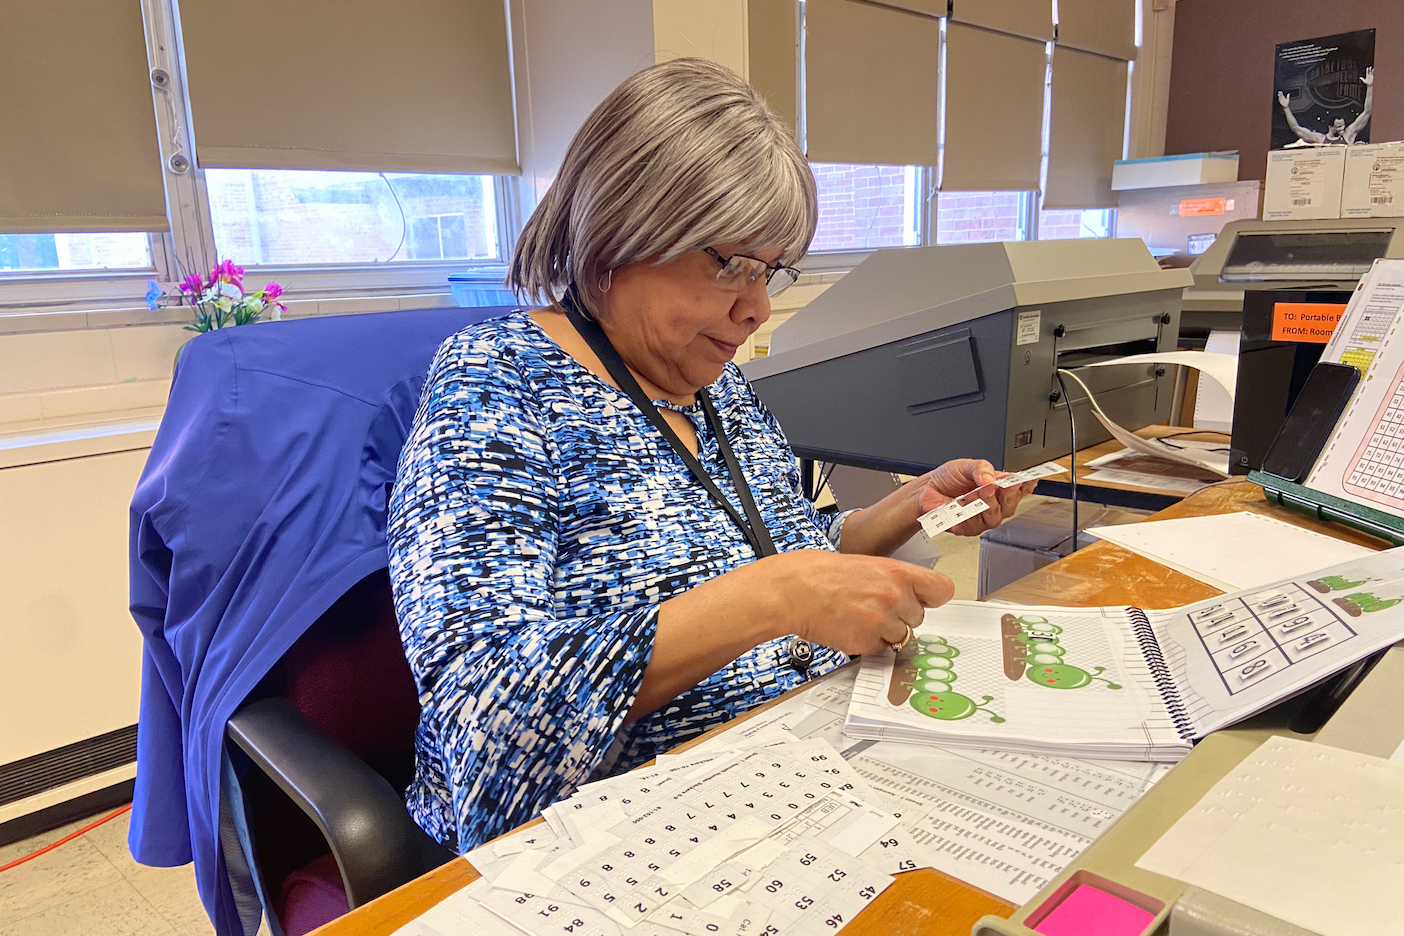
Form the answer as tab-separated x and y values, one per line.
1124	683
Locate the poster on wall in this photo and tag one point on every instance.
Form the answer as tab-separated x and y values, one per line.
1323	90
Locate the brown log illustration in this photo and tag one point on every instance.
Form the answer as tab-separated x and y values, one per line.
1015	653
904	674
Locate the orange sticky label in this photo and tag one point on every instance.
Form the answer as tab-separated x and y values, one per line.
1305	321
1200	207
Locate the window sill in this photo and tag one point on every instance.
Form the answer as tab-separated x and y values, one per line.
59	444
110	300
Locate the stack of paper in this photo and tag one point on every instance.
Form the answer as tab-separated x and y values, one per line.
768	829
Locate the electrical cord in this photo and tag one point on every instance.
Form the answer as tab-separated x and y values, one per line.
1072	461
824	478
65	840
404	225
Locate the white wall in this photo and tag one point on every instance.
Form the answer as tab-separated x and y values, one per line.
71	664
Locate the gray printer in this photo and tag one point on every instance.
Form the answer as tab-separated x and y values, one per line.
922	354
1249	256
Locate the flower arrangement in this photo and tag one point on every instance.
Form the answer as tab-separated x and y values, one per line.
219	300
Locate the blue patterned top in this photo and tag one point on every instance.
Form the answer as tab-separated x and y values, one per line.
537	523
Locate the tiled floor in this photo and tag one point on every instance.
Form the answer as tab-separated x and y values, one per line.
92	887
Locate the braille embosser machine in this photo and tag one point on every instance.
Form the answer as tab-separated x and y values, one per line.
923	354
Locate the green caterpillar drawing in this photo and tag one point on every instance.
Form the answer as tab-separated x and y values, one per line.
1032	651
1360	603
927	664
1329	583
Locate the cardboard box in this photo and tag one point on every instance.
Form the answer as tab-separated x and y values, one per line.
1185	169
1038	537
1373	182
1304	183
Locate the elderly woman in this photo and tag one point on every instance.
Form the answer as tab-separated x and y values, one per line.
598	541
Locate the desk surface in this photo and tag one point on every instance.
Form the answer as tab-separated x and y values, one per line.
925	902
1114	493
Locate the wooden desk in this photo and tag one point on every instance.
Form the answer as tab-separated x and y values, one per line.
926	902
1103	574
1113	494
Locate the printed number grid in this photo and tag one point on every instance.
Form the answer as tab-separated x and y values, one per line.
1250	639
1379	465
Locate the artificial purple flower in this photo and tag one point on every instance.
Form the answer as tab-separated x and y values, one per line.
272	291
193	285
227	272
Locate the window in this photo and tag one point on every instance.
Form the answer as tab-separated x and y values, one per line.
43	252
975	217
866	207
1065	225
283	216
439	237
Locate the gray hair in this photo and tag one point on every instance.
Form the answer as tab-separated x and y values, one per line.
679	157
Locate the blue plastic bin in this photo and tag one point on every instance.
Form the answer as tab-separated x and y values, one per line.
475	290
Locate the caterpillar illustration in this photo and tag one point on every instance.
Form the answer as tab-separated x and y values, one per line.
1032	650
927	665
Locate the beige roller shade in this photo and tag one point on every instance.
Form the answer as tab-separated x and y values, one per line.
1086	129
413	86
772	42
994	111
1107	27
1032	19
78	145
872	76
935	8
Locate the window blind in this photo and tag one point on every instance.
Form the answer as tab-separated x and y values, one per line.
872	84
78	145
1107	27
927	7
1086	130
772	45
413	86
1032	19
994	110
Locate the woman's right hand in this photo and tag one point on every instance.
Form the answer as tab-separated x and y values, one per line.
856	604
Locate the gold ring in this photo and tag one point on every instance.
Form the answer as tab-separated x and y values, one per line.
904	641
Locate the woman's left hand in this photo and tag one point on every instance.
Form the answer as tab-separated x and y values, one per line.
963	475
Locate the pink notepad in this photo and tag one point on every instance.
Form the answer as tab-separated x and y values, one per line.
1088	911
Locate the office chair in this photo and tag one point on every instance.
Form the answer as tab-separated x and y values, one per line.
331	733
278	710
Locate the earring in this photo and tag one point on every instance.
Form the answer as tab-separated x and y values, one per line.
606	281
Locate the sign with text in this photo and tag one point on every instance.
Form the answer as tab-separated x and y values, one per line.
1305	321
1203	207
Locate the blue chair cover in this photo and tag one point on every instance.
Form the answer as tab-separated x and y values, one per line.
262	501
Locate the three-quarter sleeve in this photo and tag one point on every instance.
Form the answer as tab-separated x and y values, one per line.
521	697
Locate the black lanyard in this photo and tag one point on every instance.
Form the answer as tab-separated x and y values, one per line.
752	524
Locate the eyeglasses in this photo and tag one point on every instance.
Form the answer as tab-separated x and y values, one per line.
739	271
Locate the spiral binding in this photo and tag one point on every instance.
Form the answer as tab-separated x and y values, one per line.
1160	672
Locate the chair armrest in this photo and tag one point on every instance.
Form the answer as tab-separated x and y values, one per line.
376	844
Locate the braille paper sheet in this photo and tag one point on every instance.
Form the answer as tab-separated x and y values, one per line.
846	822
1310	834
1232	551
